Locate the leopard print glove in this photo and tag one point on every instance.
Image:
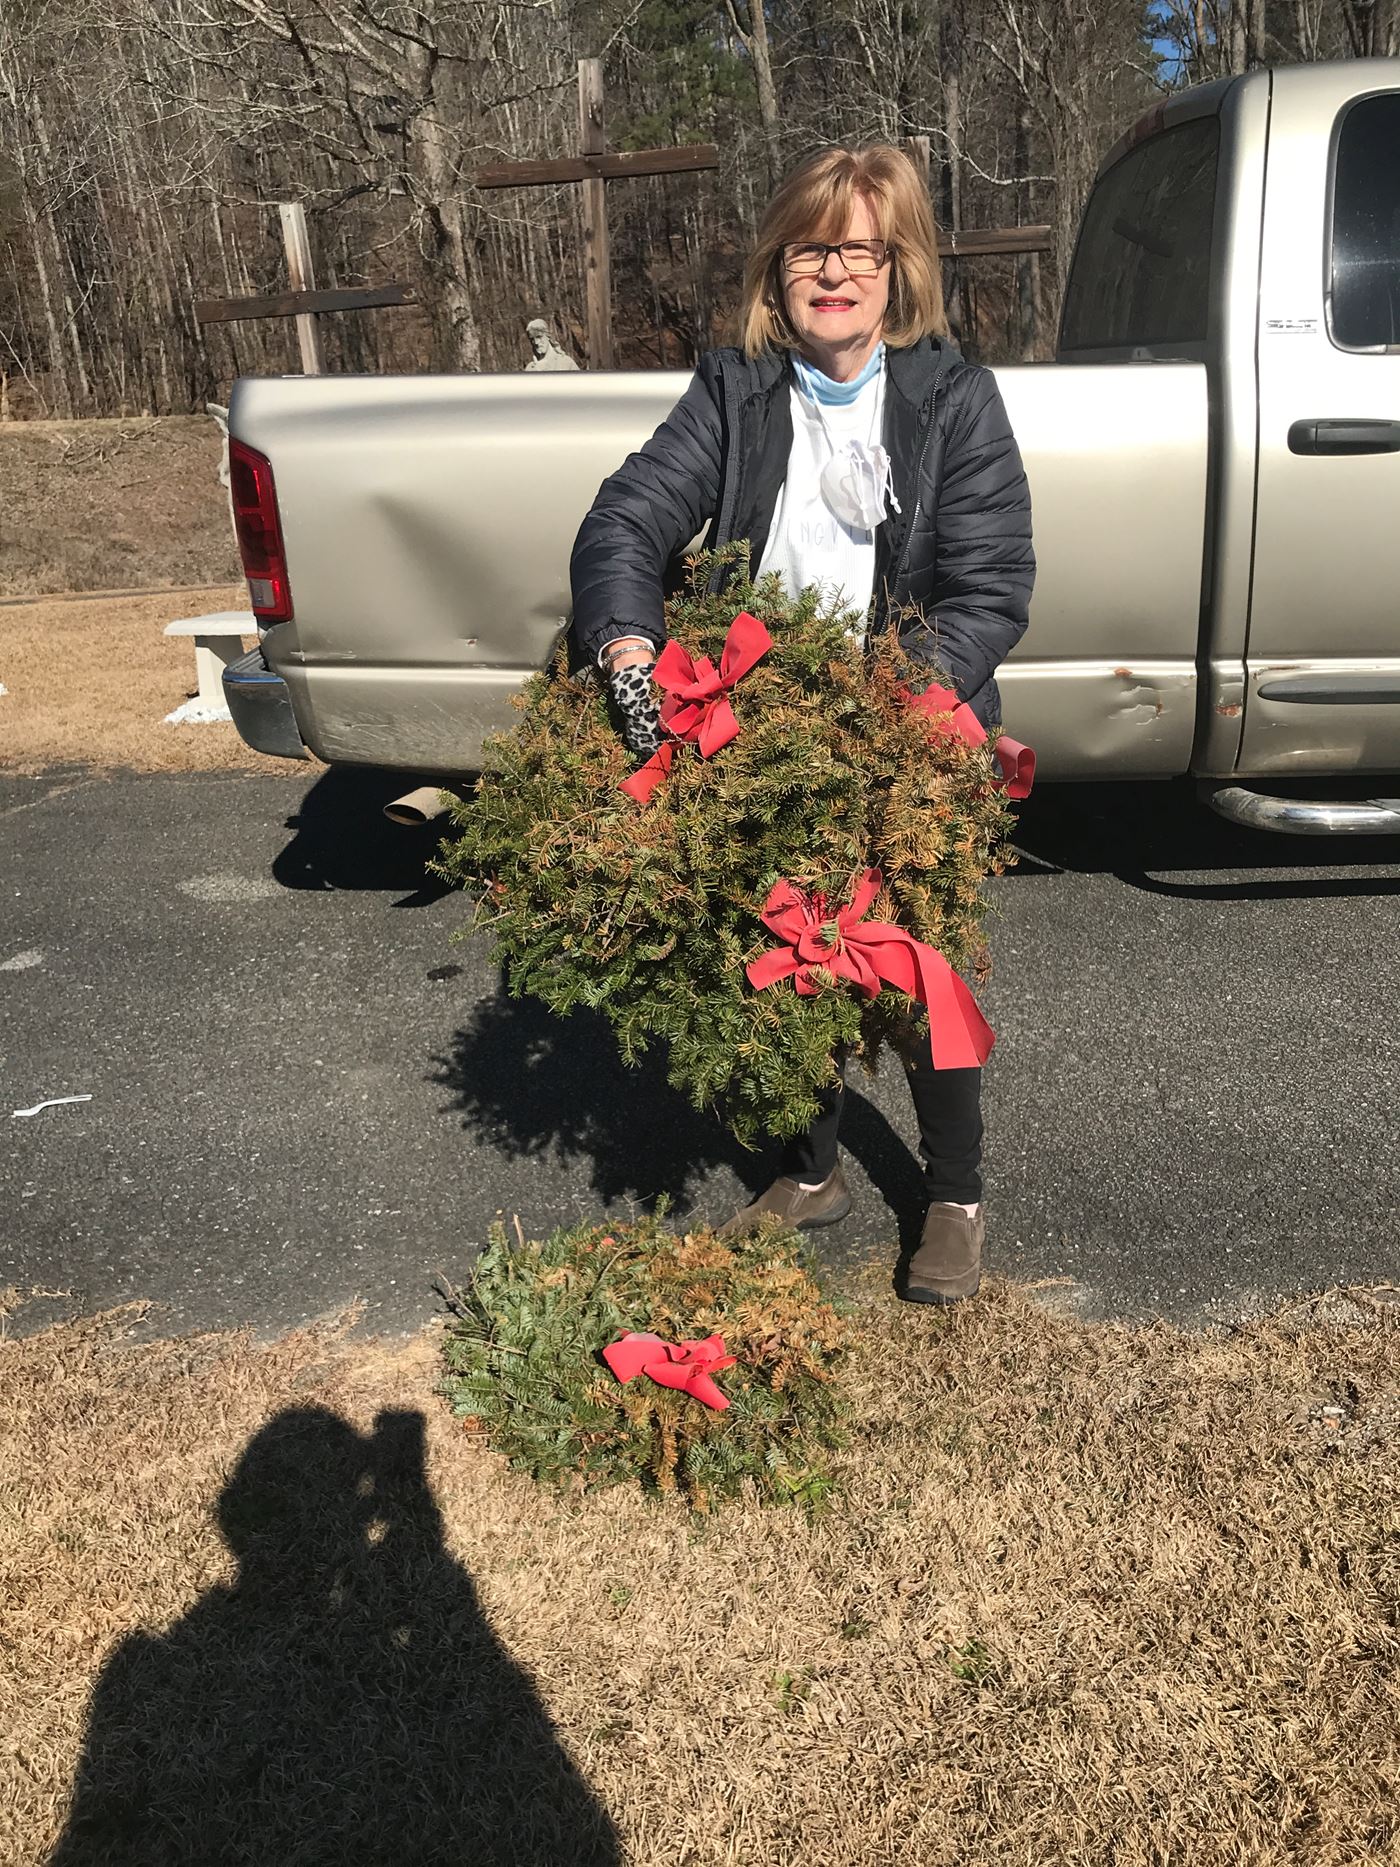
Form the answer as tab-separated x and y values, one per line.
634	696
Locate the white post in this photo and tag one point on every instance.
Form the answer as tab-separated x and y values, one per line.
299	272
212	654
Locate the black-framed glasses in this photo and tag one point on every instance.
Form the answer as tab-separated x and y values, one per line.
859	258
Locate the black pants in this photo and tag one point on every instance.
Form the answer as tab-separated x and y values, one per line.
948	1104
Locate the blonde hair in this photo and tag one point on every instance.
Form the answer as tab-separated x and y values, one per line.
815	201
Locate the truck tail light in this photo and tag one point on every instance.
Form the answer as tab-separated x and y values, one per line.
259	531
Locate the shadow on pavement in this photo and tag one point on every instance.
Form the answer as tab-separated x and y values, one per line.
343	839
537	1086
1137	832
343	1699
889	1165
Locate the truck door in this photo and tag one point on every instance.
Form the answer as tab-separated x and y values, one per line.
1323	656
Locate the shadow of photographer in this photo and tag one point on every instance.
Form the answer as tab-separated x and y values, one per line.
343	1700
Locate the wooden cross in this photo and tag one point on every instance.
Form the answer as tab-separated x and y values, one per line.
594	167
303	301
974	242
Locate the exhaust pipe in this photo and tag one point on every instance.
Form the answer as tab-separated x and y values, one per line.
415	808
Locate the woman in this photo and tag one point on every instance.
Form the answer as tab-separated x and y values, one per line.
853	447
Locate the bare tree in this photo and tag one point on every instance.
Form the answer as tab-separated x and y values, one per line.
1075	71
145	143
749	21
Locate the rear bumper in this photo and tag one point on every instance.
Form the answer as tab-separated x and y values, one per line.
431	720
262	707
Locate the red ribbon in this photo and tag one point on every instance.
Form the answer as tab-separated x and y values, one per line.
696	709
821	946
686	1366
950	714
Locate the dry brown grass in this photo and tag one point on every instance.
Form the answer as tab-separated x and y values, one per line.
1090	1595
91	682
112	505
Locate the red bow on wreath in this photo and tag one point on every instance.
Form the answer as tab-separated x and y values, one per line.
686	1366
822	947
950	714
696	709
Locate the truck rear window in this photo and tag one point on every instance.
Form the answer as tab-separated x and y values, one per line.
1364	301
1141	273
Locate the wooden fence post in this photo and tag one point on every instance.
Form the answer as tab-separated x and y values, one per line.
596	258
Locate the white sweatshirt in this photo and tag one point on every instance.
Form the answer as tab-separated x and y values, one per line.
807	543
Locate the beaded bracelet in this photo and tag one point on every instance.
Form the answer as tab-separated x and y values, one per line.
610	651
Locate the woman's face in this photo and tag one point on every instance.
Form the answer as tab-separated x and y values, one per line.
833	314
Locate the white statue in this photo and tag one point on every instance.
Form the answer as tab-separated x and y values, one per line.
220	414
548	355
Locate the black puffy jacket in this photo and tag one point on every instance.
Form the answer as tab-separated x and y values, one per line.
956	556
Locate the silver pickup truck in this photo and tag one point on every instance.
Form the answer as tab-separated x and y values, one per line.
1214	461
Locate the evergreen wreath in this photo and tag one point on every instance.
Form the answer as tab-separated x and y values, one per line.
650	912
524	1368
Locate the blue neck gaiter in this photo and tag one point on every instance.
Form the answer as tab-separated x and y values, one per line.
818	387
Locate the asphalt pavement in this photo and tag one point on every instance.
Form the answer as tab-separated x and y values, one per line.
304	1089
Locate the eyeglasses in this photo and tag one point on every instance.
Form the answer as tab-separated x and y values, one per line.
859	258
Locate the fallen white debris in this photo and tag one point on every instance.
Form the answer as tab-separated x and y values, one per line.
54	1102
196	712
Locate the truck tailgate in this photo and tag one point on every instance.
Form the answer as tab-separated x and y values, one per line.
428	523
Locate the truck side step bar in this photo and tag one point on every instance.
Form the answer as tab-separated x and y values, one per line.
1296	816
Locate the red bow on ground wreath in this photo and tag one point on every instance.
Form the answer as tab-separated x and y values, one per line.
686	1366
822	946
696	709
1017	761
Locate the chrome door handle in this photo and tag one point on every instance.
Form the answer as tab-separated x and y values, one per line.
1344	437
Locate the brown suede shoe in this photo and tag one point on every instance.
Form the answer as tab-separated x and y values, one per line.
948	1263
824	1205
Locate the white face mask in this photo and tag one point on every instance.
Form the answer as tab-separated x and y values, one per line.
855	483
